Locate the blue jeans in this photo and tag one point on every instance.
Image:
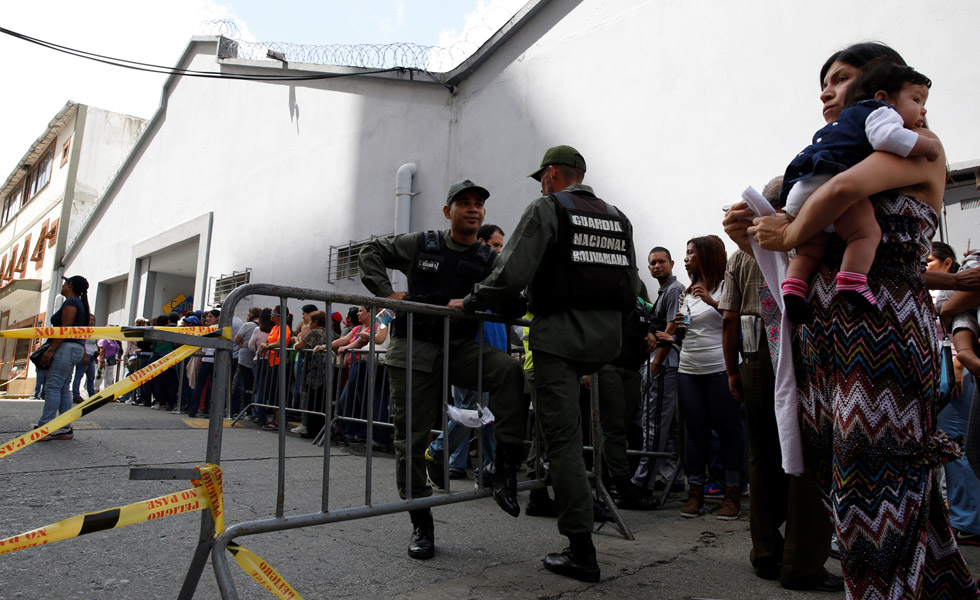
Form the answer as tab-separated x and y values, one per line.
261	369
459	435
354	399
297	396
40	376
57	392
962	485
89	372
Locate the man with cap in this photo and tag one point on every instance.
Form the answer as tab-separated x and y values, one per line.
574	255
439	265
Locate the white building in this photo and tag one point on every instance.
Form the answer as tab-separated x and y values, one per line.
46	198
677	107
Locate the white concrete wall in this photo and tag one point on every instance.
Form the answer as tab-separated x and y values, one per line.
106	142
287	170
677	106
116	304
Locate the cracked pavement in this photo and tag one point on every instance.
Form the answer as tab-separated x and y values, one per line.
480	551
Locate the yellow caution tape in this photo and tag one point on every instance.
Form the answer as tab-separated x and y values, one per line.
251	563
104	333
211	482
262	572
114	518
206	493
131	382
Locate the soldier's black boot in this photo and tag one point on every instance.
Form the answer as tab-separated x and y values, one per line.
422	545
577	561
540	504
509	457
628	496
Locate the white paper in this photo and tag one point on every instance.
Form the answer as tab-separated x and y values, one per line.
472	418
773	265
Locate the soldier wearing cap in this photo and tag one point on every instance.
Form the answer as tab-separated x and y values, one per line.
439	265
574	254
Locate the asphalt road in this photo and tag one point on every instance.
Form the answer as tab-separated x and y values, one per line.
481	552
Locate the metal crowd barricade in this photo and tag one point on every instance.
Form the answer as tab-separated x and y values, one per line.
262	391
217	545
352	397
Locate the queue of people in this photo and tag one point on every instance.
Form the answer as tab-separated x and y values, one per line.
865	340
725	318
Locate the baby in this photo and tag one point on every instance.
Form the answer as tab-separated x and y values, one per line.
884	107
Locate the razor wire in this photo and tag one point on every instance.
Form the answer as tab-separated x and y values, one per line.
369	56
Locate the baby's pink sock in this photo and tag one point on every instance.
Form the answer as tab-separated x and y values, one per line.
854	287
794	300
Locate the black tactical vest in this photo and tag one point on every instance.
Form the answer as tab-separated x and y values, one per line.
437	276
588	266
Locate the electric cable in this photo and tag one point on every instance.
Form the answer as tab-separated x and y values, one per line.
163	70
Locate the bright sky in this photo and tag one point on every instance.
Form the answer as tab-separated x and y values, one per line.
38	81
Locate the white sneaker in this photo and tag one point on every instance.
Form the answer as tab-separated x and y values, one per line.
300	430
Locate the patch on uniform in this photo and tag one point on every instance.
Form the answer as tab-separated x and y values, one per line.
530	228
428	265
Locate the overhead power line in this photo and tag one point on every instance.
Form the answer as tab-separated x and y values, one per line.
164	70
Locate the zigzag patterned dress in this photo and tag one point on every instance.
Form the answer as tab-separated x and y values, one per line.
867	385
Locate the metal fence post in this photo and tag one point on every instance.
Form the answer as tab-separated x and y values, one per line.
284	334
600	487
215	431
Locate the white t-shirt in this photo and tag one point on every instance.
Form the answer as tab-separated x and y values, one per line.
701	349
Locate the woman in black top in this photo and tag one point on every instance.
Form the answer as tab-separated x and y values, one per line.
64	354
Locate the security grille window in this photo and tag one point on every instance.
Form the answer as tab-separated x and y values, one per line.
41	173
65	152
970	204
222	286
7	203
36	179
17	199
12	204
22	351
343	261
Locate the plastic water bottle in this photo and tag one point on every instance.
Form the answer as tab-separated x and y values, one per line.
384	318
687	315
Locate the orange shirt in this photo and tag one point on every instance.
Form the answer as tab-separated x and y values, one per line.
273	342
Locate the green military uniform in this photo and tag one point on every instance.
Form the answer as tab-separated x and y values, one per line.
566	344
619	395
619	391
502	375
